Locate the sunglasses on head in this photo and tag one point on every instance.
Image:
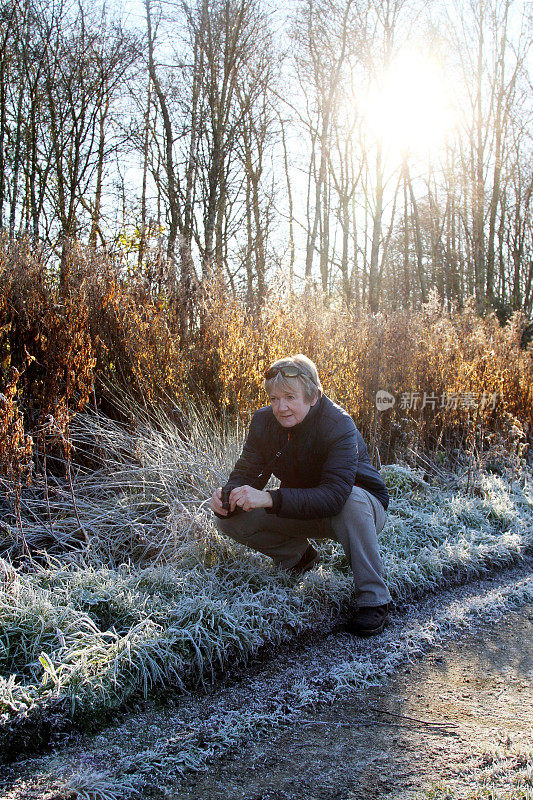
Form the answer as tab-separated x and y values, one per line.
289	371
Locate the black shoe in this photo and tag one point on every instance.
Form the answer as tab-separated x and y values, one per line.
369	620
307	561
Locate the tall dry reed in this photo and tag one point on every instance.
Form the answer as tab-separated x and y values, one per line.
459	382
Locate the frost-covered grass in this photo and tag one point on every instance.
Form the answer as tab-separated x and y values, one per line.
416	638
149	754
435	534
444	792
502	771
148	597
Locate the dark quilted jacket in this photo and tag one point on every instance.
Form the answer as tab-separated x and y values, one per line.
320	460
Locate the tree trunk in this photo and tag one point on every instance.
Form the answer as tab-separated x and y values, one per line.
169	156
478	200
16	164
406	271
417	237
146	140
373	297
291	210
95	217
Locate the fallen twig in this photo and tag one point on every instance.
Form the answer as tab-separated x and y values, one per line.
411	723
414	719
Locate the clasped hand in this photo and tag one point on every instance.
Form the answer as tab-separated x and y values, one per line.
245	497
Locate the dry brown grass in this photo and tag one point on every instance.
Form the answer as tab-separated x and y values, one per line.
109	327
480	378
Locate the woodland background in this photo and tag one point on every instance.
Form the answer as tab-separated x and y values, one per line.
193	189
230	138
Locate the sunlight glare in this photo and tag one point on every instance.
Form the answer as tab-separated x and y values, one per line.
410	110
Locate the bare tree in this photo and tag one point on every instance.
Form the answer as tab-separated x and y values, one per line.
171	173
323	33
88	59
491	78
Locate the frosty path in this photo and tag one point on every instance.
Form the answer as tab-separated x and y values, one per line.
306	723
454	722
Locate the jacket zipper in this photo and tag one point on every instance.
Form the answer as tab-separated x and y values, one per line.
281	451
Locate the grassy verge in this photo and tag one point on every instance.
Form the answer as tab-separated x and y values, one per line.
503	771
149	754
152	599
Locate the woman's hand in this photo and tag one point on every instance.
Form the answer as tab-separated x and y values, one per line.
248	498
215	504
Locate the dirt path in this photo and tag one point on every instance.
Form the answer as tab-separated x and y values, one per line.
383	744
456	710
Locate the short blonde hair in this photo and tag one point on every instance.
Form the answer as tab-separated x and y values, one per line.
308	378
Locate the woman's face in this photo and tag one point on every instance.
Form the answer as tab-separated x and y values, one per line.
289	405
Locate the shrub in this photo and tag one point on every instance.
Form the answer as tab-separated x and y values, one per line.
460	382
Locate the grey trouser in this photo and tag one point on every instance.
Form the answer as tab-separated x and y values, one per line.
285	540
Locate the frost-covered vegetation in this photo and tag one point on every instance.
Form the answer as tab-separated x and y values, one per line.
502	771
150	753
134	592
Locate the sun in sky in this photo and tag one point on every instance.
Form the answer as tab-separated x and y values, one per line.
409	108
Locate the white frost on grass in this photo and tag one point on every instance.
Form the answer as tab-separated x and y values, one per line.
158	599
91	784
231	722
418	637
